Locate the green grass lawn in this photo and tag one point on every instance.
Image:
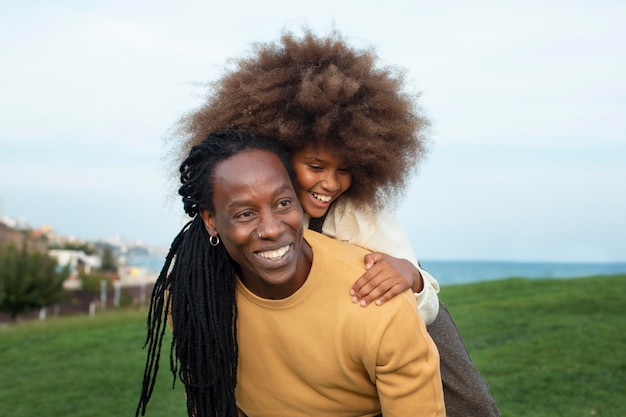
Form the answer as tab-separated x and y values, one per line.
80	367
545	347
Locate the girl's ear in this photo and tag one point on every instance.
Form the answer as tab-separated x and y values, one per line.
207	218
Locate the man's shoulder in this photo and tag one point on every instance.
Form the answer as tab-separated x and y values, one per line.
344	262
332	257
334	246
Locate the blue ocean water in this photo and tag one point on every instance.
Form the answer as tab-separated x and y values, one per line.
460	272
152	263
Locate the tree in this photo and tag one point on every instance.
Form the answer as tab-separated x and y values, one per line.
29	280
91	282
109	263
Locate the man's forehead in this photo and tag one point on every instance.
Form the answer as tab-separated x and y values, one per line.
254	162
251	173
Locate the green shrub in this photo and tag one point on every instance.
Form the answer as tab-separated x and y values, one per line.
29	280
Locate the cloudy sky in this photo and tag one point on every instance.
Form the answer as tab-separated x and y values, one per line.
527	101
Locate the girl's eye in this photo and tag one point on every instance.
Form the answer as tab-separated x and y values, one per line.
316	167
344	170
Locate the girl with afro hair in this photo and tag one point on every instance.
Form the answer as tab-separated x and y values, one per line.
356	138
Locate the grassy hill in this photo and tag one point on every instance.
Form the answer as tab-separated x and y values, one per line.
545	347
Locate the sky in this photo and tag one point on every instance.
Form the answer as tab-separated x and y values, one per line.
527	103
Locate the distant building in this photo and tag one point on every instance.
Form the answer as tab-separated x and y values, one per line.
77	260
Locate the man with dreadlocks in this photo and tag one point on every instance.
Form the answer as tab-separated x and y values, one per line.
242	286
355	137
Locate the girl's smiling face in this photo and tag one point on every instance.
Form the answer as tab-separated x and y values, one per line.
322	178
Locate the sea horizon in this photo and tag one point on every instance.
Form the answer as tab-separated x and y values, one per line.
448	272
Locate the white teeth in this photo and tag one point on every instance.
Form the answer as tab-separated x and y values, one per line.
274	255
322	198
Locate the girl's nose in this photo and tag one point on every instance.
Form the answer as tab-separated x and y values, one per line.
330	182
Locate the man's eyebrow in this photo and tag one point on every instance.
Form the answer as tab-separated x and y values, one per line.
244	202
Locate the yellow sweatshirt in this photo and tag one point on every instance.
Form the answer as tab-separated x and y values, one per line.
316	353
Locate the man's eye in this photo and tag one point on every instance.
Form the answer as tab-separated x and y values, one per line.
284	203
244	214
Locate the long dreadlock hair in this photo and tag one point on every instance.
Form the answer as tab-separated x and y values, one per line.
195	290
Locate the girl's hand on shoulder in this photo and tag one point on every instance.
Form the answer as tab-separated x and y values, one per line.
385	277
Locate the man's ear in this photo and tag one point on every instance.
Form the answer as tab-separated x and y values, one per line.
207	218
